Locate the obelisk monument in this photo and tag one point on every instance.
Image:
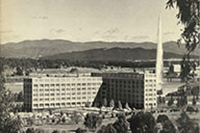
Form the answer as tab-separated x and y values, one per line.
159	57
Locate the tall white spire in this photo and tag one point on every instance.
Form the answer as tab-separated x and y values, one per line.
159	56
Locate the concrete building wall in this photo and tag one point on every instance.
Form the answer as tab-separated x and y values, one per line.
59	92
136	89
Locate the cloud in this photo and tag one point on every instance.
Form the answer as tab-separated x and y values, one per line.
40	17
139	37
168	33
112	31
58	31
5	31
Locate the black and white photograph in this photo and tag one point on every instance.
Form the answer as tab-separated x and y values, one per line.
99	66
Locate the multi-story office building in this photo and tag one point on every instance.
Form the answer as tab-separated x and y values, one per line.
136	89
59	92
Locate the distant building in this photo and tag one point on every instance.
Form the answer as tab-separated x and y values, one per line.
136	89
59	92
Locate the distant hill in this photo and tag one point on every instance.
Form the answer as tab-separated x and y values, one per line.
112	54
45	47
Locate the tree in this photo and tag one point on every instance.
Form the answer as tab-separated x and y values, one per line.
55	131
167	125
142	122
190	109
189	16
79	130
162	118
187	125
121	125
92	121
76	118
7	123
19	71
194	102
107	129
30	130
171	101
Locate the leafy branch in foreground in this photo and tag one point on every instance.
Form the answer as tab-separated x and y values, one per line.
189	16
8	124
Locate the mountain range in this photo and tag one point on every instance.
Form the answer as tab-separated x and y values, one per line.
112	54
56	48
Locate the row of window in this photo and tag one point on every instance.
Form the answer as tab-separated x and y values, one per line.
150	104
64	89
62	98
150	99
63	94
67	79
150	94
69	84
124	75
58	104
120	81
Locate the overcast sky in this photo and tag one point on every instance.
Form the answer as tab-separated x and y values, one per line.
86	20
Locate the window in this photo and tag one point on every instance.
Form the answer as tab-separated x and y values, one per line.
46	85
35	99
52	85
35	85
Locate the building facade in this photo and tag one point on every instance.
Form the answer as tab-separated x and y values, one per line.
60	92
136	89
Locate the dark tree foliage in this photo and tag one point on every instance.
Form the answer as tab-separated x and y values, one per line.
187	125
92	121
107	129
142	122
19	71
162	118
30	130
168	127
55	131
7	123
119	126
79	130
194	102
171	101
189	16
190	109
